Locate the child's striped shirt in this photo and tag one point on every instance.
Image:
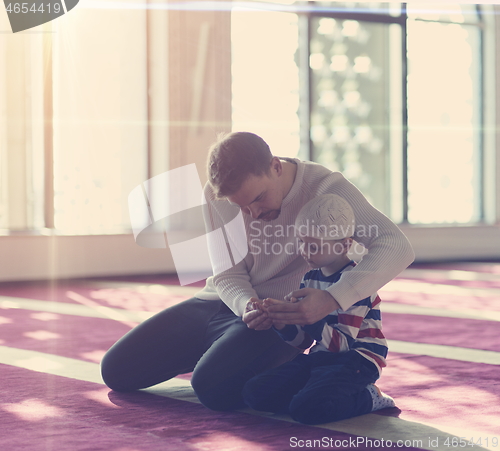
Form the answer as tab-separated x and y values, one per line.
357	328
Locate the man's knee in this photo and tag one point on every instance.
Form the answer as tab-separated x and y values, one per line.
219	391
113	375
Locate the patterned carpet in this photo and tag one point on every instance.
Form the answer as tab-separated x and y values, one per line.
442	322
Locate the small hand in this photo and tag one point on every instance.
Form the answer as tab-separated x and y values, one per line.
305	306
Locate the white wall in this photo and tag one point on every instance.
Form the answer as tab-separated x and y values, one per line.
26	257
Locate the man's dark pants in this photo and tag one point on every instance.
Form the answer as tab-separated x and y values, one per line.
205	337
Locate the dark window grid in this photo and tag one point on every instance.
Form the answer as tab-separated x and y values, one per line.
305	35
481	109
336	13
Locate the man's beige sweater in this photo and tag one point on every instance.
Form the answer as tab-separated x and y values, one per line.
273	267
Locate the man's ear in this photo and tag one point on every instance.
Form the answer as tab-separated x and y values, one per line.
276	166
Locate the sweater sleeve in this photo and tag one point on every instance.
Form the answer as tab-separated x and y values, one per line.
234	288
389	251
231	273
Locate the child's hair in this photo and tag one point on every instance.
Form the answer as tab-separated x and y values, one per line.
329	217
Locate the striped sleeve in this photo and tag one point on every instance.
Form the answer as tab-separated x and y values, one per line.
345	326
370	341
295	336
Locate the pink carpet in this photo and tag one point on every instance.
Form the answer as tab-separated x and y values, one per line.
41	411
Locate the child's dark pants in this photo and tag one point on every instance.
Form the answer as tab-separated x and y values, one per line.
316	388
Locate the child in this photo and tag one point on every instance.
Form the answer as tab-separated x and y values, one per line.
336	379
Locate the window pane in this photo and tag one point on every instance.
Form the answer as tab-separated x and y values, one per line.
265	78
100	118
21	130
443	121
356	79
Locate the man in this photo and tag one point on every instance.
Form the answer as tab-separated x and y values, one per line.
218	334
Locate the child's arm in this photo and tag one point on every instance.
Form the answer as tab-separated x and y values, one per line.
291	333
347	328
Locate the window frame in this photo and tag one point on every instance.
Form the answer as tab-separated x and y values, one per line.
401	19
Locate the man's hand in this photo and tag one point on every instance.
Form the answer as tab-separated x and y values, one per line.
255	316
267	303
305	306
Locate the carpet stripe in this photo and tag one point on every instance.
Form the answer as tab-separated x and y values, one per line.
393	307
371	425
117	314
445	352
452	274
51	364
414	286
64	308
68	367
139	287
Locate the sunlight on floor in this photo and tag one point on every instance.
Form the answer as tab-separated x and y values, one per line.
410	286
45	316
141	297
42	335
428	393
110	313
4	320
94	356
100	396
33	410
213	440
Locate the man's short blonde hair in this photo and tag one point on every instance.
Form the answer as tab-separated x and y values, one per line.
233	158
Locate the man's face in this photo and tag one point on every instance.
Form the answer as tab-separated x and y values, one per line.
260	197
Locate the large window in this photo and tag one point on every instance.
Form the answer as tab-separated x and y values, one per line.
73	98
445	114
391	95
100	118
265	77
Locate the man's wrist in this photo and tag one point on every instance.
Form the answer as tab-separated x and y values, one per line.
344	294
333	302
